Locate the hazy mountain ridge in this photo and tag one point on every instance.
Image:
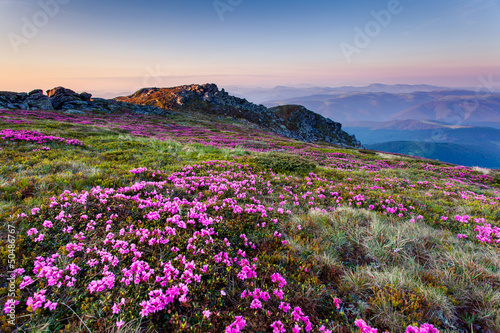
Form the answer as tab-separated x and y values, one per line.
446	118
454	107
263	95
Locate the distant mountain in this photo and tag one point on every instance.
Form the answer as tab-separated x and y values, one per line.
268	95
455	107
479	146
410	131
461	154
457	110
403	125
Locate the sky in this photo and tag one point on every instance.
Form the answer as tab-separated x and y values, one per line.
104	46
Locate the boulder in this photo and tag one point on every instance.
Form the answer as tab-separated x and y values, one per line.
85	96
13	100
60	96
38	101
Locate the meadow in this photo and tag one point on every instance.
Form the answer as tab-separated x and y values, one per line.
191	223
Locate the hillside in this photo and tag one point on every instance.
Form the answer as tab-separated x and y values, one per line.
305	125
194	222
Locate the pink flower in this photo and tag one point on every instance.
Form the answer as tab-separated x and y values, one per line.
425	328
10	306
50	305
337	302
207	314
363	326
26	282
47	224
278	327
277	278
256	304
119	324
32	231
237	325
39	238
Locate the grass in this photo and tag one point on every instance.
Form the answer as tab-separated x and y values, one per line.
377	232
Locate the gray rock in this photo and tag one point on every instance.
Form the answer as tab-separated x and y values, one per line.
71	111
60	96
85	96
74	104
38	101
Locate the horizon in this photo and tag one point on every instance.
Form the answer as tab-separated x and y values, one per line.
117	47
486	88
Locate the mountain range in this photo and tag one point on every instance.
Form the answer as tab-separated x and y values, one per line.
395	118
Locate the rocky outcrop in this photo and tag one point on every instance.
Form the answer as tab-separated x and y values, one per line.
291	121
67	100
310	127
38	101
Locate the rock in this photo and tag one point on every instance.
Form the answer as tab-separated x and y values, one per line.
85	96
71	111
36	92
60	96
38	101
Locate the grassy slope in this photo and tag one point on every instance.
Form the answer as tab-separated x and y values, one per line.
339	240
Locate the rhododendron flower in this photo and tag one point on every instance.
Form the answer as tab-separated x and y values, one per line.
237	325
425	328
207	313
278	327
337	302
47	224
9	306
256	304
32	231
363	326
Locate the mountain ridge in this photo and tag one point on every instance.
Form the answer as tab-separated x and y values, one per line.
207	98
